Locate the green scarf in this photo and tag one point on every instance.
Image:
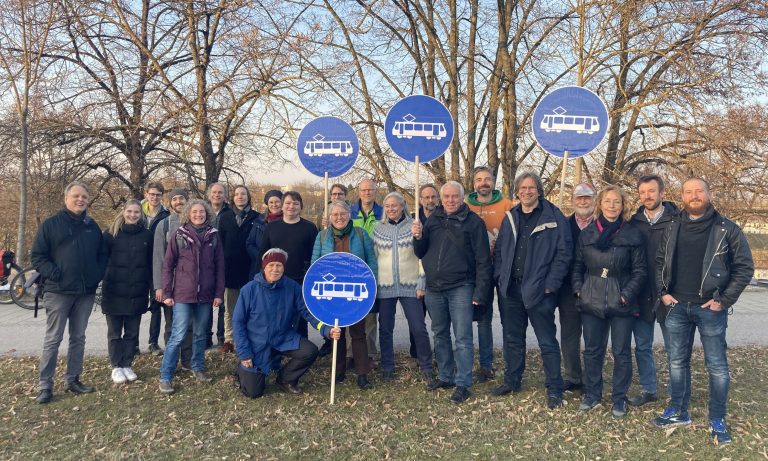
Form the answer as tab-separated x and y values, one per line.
342	232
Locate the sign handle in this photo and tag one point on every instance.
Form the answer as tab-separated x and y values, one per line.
325	200
562	179
333	357
416	189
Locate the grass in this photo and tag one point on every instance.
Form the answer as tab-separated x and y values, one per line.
398	420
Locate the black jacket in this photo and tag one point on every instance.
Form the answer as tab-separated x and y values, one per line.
649	292
237	262
454	251
129	271
547	259
162	214
727	267
602	278
70	254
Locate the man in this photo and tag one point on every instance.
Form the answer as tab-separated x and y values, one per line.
454	250
428	201
491	206
366	213
71	256
652	219
154	211
296	236
531	258
700	238
165	230
217	196
583	204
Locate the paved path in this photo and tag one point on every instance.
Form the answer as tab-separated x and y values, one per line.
22	335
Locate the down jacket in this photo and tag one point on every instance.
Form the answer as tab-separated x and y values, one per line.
193	269
602	278
129	271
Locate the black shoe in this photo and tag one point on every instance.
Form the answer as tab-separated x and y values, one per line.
460	395
427	376
44	396
439	384
504	390
587	404
387	376
289	388
76	387
619	409
484	374
326	348
340	378
554	401
642	399
363	383
572	387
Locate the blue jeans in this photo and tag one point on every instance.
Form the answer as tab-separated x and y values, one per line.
681	323
446	308
183	313
646	365
485	335
416	326
595	345
514	322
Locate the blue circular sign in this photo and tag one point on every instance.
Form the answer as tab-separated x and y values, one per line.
571	119
328	144
339	286
419	125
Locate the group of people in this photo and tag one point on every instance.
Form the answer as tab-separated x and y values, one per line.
607	272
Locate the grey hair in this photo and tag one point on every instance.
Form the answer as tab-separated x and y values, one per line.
184	218
400	199
272	251
452	184
224	186
76	184
340	204
536	179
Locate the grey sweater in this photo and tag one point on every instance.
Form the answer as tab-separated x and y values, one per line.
162	236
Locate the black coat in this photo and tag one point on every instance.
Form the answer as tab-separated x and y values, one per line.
237	262
653	234
129	271
603	278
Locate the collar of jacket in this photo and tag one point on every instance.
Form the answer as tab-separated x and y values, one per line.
188	232
670	211
259	279
71	216
495	197
547	218
357	210
461	214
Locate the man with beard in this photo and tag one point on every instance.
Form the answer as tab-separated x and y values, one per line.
652	219
702	266
428	201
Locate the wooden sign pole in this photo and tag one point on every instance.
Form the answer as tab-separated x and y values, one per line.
333	357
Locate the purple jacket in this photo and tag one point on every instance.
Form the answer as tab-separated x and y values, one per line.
193	268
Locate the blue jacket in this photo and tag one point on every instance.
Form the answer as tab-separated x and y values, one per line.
548	257
362	248
265	318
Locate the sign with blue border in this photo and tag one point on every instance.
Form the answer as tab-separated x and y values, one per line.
419	125
328	144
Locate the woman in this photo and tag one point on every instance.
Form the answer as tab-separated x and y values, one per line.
193	282
126	286
608	271
273	199
343	237
400	277
264	327
234	229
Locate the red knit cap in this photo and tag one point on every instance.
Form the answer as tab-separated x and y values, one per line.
274	255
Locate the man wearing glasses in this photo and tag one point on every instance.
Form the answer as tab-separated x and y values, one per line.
154	212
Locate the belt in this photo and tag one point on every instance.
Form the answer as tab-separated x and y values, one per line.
604	272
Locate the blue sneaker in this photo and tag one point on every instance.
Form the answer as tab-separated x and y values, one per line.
719	431
671	417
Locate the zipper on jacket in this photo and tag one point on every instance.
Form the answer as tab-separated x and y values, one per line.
714	255
610	264
666	257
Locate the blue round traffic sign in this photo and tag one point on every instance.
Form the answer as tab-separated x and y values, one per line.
328	144
571	119
339	286
419	125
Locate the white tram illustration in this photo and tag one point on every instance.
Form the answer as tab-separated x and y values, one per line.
409	127
319	146
328	289
557	121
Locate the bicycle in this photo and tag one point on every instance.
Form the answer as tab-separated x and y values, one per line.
10	271
28	285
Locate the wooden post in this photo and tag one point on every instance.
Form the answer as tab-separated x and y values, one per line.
333	358
325	199
562	179
416	190
577	171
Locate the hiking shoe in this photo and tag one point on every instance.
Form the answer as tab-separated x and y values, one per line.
484	374
166	387
619	409
439	384
155	350
363	383
569	386
76	387
130	375
671	417
44	396
118	377
554	401
588	404
719	432
340	378
642	399
460	395
505	389
387	376
201	376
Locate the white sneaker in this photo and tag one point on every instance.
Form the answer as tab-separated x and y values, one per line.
118	377
130	375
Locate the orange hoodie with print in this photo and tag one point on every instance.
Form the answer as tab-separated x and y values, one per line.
492	213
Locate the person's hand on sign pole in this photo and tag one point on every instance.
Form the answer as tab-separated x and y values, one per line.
416	229
247	363
217	302
335	333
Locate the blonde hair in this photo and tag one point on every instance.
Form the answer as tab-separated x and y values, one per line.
117	224
611	188
184	218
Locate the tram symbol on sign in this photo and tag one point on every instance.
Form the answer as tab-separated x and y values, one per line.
557	121
328	289
409	127
320	146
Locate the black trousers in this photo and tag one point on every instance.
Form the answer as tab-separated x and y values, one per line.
299	362
122	339
154	321
186	345
570	334
359	349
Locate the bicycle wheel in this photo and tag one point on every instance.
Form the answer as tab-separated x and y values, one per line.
7	284
23	295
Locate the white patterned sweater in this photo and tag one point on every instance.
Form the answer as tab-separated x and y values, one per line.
400	272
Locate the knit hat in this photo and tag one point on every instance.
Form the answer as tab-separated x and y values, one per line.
583	190
274	255
178	191
272	193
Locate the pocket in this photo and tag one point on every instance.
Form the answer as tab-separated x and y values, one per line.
712	323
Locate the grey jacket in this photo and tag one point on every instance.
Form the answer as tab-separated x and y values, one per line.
166	227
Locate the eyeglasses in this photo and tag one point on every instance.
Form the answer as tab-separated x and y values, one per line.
154	194
339	215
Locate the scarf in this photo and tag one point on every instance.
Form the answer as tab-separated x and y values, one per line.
607	231
241	214
274	216
342	232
